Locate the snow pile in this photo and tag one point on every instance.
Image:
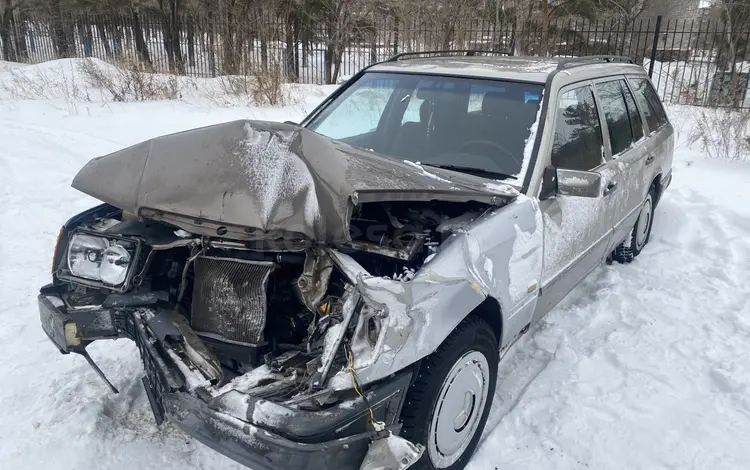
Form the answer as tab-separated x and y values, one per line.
75	81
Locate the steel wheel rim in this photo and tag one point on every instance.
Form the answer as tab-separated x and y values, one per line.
644	223
459	409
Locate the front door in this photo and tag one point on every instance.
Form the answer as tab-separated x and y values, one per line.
577	230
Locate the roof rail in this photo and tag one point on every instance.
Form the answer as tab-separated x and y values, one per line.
465	52
588	60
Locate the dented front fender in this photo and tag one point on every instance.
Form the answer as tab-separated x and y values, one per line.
498	255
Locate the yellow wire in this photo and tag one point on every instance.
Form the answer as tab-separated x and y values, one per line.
356	387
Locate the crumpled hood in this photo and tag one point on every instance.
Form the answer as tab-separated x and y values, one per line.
253	179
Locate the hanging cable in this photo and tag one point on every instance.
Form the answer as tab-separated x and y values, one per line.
379	426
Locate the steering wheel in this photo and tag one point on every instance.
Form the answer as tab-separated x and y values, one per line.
489	143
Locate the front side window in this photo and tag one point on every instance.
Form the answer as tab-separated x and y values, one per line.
474	125
649	102
578	143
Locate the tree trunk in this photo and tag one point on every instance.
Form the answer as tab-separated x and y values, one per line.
19	31
229	62
329	54
337	65
175	36
373	30
291	49
211	44
544	50
140	42
296	32
191	40
305	45
59	37
9	52
264	47
167	39
396	38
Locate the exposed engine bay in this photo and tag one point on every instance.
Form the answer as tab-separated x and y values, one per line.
253	315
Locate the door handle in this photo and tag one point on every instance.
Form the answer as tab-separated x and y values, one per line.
611	187
650	159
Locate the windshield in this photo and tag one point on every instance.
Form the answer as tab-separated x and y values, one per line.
466	124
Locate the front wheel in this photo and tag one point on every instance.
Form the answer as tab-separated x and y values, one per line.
446	408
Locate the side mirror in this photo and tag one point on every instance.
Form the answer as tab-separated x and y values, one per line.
579	183
570	183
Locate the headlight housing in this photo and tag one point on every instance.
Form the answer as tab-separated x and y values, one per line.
99	260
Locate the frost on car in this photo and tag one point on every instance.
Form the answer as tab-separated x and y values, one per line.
337	294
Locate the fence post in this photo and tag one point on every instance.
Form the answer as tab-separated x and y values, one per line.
657	32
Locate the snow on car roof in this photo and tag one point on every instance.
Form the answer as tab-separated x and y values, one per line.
528	69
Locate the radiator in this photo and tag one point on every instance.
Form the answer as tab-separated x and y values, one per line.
229	298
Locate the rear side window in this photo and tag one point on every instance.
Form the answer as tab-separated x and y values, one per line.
623	119
616	113
649	102
636	122
578	135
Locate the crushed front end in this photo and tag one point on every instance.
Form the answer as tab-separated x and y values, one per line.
270	283
253	352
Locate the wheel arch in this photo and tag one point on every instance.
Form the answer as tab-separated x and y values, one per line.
656	185
491	312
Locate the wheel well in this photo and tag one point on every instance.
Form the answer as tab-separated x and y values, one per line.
656	185
489	310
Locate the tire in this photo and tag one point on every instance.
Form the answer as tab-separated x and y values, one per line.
641	233
465	365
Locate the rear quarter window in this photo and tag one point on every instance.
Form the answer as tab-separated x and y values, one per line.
650	104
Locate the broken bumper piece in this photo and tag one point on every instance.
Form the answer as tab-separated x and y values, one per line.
338	437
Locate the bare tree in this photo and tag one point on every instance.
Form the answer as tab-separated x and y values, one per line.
6	17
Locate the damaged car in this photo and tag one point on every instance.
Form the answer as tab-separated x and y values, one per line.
338	293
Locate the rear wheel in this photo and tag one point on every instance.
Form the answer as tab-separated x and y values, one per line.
641	233
446	408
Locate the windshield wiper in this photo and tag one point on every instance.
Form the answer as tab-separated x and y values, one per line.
472	171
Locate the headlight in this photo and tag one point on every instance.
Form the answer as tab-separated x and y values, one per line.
85	256
98	259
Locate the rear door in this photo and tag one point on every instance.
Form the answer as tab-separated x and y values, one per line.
627	150
660	136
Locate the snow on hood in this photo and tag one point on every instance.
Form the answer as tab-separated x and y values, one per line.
264	179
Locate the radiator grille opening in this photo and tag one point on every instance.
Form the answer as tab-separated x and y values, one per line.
229	298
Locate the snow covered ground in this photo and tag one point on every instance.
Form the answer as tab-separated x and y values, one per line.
643	366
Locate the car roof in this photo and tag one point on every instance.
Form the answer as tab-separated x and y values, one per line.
528	69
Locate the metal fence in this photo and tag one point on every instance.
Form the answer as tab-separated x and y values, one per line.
695	62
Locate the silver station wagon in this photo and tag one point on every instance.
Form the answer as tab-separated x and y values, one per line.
338	293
